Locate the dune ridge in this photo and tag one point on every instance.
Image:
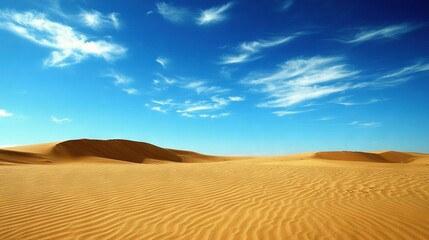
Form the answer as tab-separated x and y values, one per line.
114	149
384	157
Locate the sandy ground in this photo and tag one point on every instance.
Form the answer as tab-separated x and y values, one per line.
70	193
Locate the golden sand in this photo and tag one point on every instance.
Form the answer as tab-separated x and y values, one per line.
87	189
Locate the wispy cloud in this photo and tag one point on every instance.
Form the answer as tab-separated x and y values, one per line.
302	79
157	108
286	113
287	4
163	102
396	77
388	32
214	14
70	46
246	51
212	116
172	13
131	91
409	70
366	124
202	87
5	113
346	102
327	118
236	99
162	61
203	108
120	79
241	58
164	80
198	107
60	120
96	20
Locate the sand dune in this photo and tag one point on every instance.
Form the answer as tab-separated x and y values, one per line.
10	156
87	149
385	157
114	149
325	195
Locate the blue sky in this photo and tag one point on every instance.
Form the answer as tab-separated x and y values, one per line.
218	77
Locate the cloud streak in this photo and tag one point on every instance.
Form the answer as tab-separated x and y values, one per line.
202	87
162	61
345	102
213	15
246	51
366	124
302	79
388	32
172	13
131	91
409	70
60	120
286	113
287	4
70	47
5	113
120	79
203	108
96	20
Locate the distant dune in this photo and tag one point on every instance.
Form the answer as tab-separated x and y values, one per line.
117	189
384	157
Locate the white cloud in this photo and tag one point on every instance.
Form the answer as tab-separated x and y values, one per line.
367	124
120	79
236	99
202	87
214	14
131	91
163	103
162	61
325	118
286	113
381	83
96	20
389	32
60	120
185	114
172	13
241	58
287	4
197	108
418	67
256	46
164	80
158	109
345	102
204	108
396	77
5	113
302	79
213	116
70	47
245	51
215	103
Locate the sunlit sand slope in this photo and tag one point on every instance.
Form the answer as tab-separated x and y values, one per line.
387	157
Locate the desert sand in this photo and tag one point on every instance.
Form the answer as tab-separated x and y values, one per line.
118	189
